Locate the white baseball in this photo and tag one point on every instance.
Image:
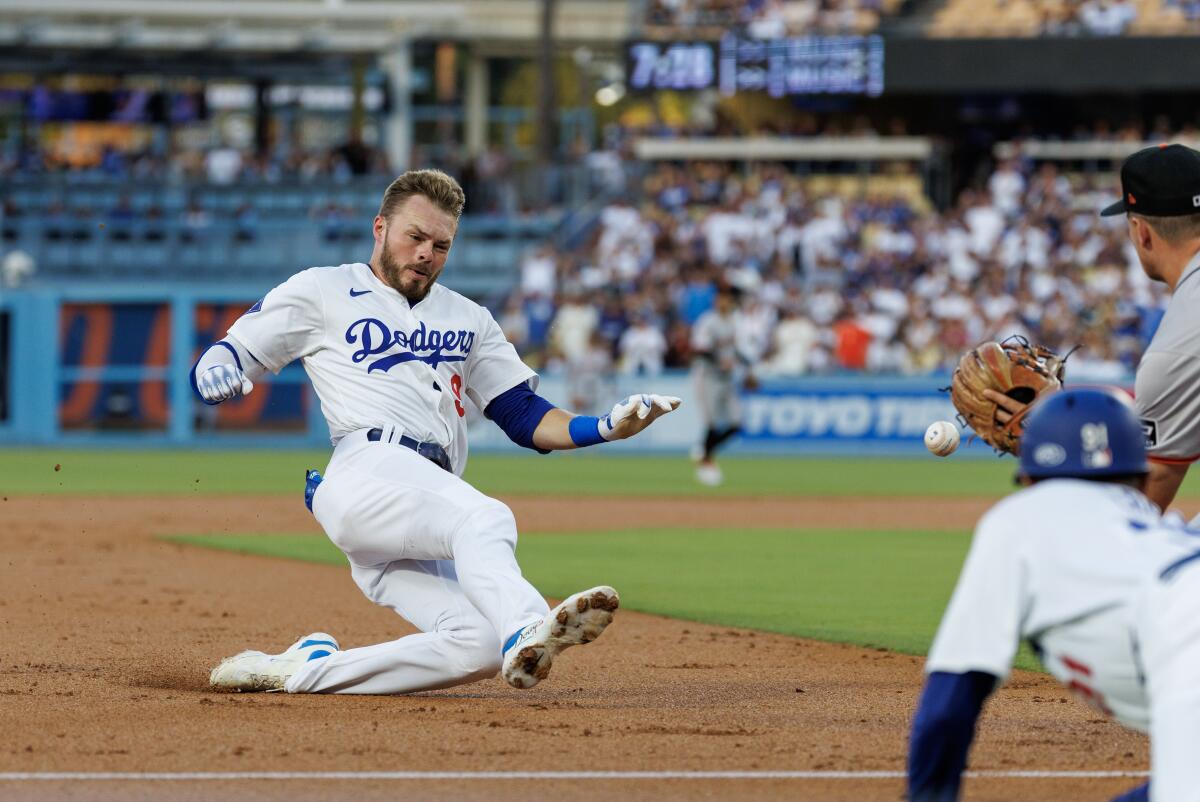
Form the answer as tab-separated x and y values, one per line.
941	438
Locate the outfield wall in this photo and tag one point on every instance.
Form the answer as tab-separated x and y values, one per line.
90	365
851	415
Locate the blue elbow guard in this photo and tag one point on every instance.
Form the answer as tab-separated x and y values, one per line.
518	411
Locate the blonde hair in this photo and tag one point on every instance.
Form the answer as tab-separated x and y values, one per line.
1176	229
441	190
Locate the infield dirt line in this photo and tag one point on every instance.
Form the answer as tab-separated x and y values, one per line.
134	776
116	706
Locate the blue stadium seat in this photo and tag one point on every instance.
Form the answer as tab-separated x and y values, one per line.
290	234
190	259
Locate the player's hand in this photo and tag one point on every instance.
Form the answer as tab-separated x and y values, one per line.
222	383
1006	407
635	413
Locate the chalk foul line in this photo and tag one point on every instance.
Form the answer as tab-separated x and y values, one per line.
195	776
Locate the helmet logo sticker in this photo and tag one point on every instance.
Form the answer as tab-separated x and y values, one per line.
1094	439
1049	455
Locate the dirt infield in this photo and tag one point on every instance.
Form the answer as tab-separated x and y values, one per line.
111	633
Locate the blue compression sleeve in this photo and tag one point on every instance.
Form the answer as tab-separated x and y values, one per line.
943	729
1139	794
518	411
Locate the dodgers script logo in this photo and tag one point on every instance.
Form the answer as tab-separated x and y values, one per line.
423	344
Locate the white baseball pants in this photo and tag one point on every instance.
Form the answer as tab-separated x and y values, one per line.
425	543
1169	644
718	397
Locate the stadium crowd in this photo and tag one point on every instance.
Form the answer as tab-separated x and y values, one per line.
770	19
834	284
773	19
971	18
143	179
830	281
220	165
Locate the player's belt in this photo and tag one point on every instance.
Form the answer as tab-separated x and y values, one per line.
430	451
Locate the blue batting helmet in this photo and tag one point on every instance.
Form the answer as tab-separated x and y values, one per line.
1083	432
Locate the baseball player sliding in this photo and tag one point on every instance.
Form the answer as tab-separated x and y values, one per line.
393	357
1081	564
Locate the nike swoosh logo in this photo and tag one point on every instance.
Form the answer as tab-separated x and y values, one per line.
355	293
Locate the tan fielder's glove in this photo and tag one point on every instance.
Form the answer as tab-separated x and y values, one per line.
1013	368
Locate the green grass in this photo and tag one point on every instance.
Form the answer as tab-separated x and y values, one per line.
307	548
26	471
120	472
870	588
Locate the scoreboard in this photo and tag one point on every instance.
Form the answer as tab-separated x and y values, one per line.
809	65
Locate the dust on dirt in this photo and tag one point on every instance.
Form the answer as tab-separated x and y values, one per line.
111	633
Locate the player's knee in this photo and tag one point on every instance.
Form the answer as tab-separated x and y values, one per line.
477	654
492	519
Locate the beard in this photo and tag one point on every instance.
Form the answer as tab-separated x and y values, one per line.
401	278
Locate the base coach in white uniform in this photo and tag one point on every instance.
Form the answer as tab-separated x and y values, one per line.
1065	565
1160	196
394	357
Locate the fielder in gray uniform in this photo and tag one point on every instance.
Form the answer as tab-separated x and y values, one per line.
1160	196
715	361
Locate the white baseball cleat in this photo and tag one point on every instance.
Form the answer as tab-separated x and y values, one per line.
709	474
579	619
258	671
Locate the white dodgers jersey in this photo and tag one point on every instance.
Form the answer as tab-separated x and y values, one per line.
376	360
1062	564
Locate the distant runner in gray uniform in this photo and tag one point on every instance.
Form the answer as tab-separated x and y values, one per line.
714	374
1160	196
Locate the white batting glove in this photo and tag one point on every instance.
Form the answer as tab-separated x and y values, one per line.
635	413
222	383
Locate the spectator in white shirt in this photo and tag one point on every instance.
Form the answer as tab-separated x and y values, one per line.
642	348
588	374
889	356
1106	17
1007	187
573	325
223	165
539	272
769	22
515	323
954	305
986	224
822	236
793	344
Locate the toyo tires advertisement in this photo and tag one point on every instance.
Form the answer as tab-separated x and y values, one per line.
868	412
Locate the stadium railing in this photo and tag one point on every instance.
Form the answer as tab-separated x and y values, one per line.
855	156
1078	150
839	148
